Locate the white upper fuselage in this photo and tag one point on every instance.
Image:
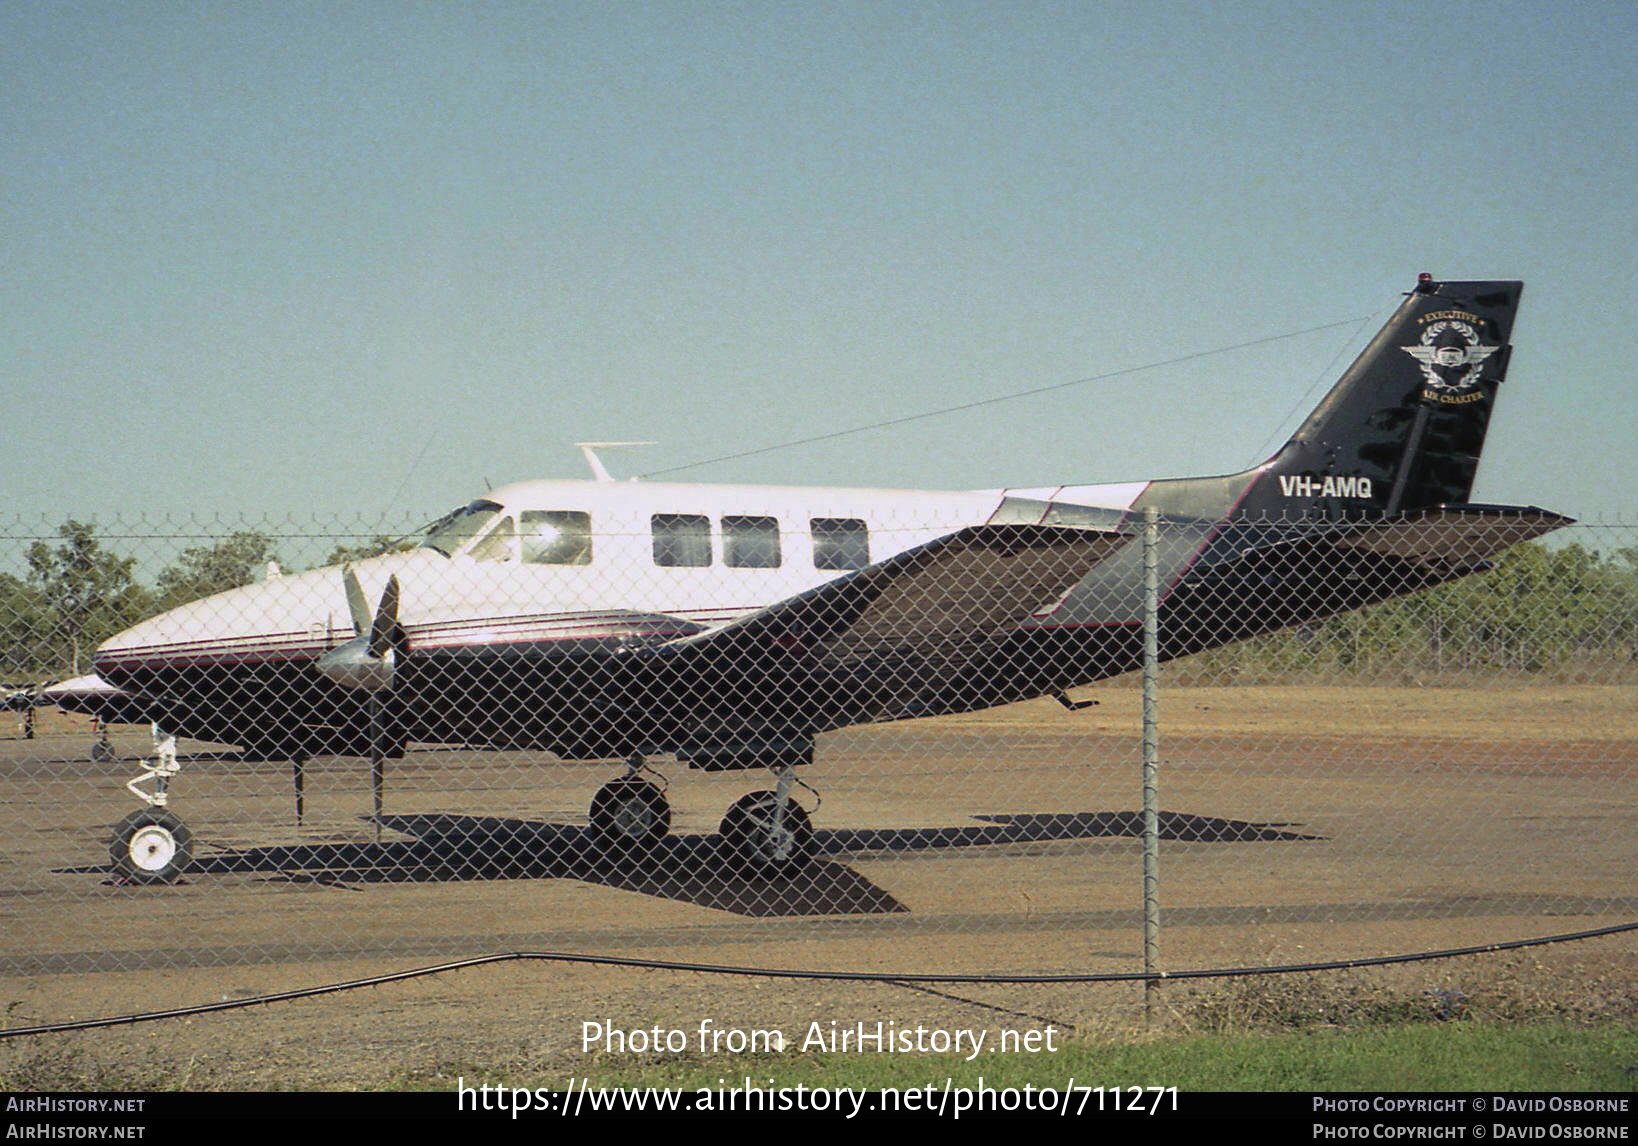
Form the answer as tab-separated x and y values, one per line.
565	560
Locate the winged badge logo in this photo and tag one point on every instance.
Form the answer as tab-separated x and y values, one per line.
1450	354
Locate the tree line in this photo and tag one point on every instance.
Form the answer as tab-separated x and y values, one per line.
77	593
1567	611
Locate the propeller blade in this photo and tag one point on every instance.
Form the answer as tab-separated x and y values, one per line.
356	604
386	618
378	759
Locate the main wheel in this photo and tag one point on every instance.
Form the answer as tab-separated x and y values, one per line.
629	814
151	846
748	833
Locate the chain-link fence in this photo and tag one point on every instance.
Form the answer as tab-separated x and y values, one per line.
838	742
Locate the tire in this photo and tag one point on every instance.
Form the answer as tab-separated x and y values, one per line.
629	815
151	846
749	840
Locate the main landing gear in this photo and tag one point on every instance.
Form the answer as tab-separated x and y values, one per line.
630	814
152	845
768	829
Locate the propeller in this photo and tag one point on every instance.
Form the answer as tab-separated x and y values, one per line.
366	662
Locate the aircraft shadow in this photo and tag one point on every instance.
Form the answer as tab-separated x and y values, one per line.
1045	826
686	868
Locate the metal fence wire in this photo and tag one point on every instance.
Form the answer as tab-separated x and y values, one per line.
838	741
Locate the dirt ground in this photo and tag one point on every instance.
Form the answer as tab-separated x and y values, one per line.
1299	824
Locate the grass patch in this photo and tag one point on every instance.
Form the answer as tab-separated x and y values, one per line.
1480	1056
1471	1056
1506	1024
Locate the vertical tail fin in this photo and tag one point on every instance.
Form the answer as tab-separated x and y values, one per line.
1402	429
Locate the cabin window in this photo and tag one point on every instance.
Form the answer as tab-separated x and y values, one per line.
840	543
500	545
750	542
682	540
557	537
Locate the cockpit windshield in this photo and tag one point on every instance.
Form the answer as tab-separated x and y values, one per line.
459	526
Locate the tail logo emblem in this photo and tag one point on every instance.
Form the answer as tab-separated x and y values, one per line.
1450	355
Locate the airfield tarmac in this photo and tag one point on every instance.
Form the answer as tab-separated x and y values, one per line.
1300	824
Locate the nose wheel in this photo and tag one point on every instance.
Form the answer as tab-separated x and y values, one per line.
151	846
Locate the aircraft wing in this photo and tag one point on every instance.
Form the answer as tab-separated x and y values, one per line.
94	696
942	600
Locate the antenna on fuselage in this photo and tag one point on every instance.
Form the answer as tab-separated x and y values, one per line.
599	470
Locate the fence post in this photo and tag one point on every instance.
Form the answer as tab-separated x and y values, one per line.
1151	760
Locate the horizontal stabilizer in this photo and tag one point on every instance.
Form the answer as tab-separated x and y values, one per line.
1454	536
940	600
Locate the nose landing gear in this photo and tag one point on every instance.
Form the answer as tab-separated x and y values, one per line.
152	845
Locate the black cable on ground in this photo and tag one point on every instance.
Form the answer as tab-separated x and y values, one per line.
781	973
980	1003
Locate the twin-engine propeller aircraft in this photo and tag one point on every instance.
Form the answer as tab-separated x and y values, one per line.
731	625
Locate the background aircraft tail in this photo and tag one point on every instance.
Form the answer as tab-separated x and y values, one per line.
1402	430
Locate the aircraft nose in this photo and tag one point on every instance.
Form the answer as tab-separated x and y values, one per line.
283	618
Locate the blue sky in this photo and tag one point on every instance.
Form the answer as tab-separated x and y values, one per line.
264	260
